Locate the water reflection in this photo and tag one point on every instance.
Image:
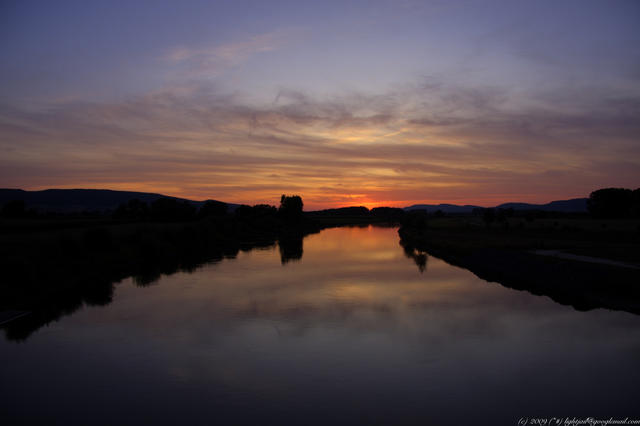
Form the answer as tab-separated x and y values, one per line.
291	247
100	293
420	257
364	249
351	333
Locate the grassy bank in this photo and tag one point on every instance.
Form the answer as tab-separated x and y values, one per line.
504	253
607	238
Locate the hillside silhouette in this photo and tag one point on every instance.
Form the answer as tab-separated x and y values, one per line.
575	205
104	200
79	200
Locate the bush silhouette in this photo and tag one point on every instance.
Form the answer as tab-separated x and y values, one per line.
212	208
391	214
259	211
170	209
290	207
614	202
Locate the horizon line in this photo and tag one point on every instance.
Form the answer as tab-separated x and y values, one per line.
376	204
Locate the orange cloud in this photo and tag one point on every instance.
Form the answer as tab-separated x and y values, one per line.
351	150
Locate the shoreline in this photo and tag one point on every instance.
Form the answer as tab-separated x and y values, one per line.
582	285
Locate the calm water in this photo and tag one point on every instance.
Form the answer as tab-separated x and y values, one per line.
354	332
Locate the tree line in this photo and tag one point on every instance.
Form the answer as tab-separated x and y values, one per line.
602	203
614	203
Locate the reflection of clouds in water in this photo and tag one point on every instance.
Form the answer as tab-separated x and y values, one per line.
335	328
339	287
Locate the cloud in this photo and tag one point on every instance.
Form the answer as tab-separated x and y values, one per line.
433	142
212	60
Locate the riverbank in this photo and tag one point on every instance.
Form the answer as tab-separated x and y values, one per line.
39	262
507	255
51	269
56	265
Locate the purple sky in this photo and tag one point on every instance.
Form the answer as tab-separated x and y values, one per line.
341	102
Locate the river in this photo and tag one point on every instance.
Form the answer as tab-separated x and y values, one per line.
353	331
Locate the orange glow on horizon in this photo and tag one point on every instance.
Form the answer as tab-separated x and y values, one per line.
311	200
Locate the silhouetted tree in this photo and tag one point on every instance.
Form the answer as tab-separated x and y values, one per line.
257	212
351	211
391	214
242	211
172	210
290	207
612	202
212	208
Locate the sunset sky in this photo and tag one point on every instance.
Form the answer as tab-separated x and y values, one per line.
345	103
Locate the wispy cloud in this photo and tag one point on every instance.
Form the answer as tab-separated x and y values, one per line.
214	59
420	143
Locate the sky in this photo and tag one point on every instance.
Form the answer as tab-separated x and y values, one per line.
344	103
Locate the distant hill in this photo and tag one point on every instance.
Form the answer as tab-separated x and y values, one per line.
575	205
343	211
446	208
78	200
